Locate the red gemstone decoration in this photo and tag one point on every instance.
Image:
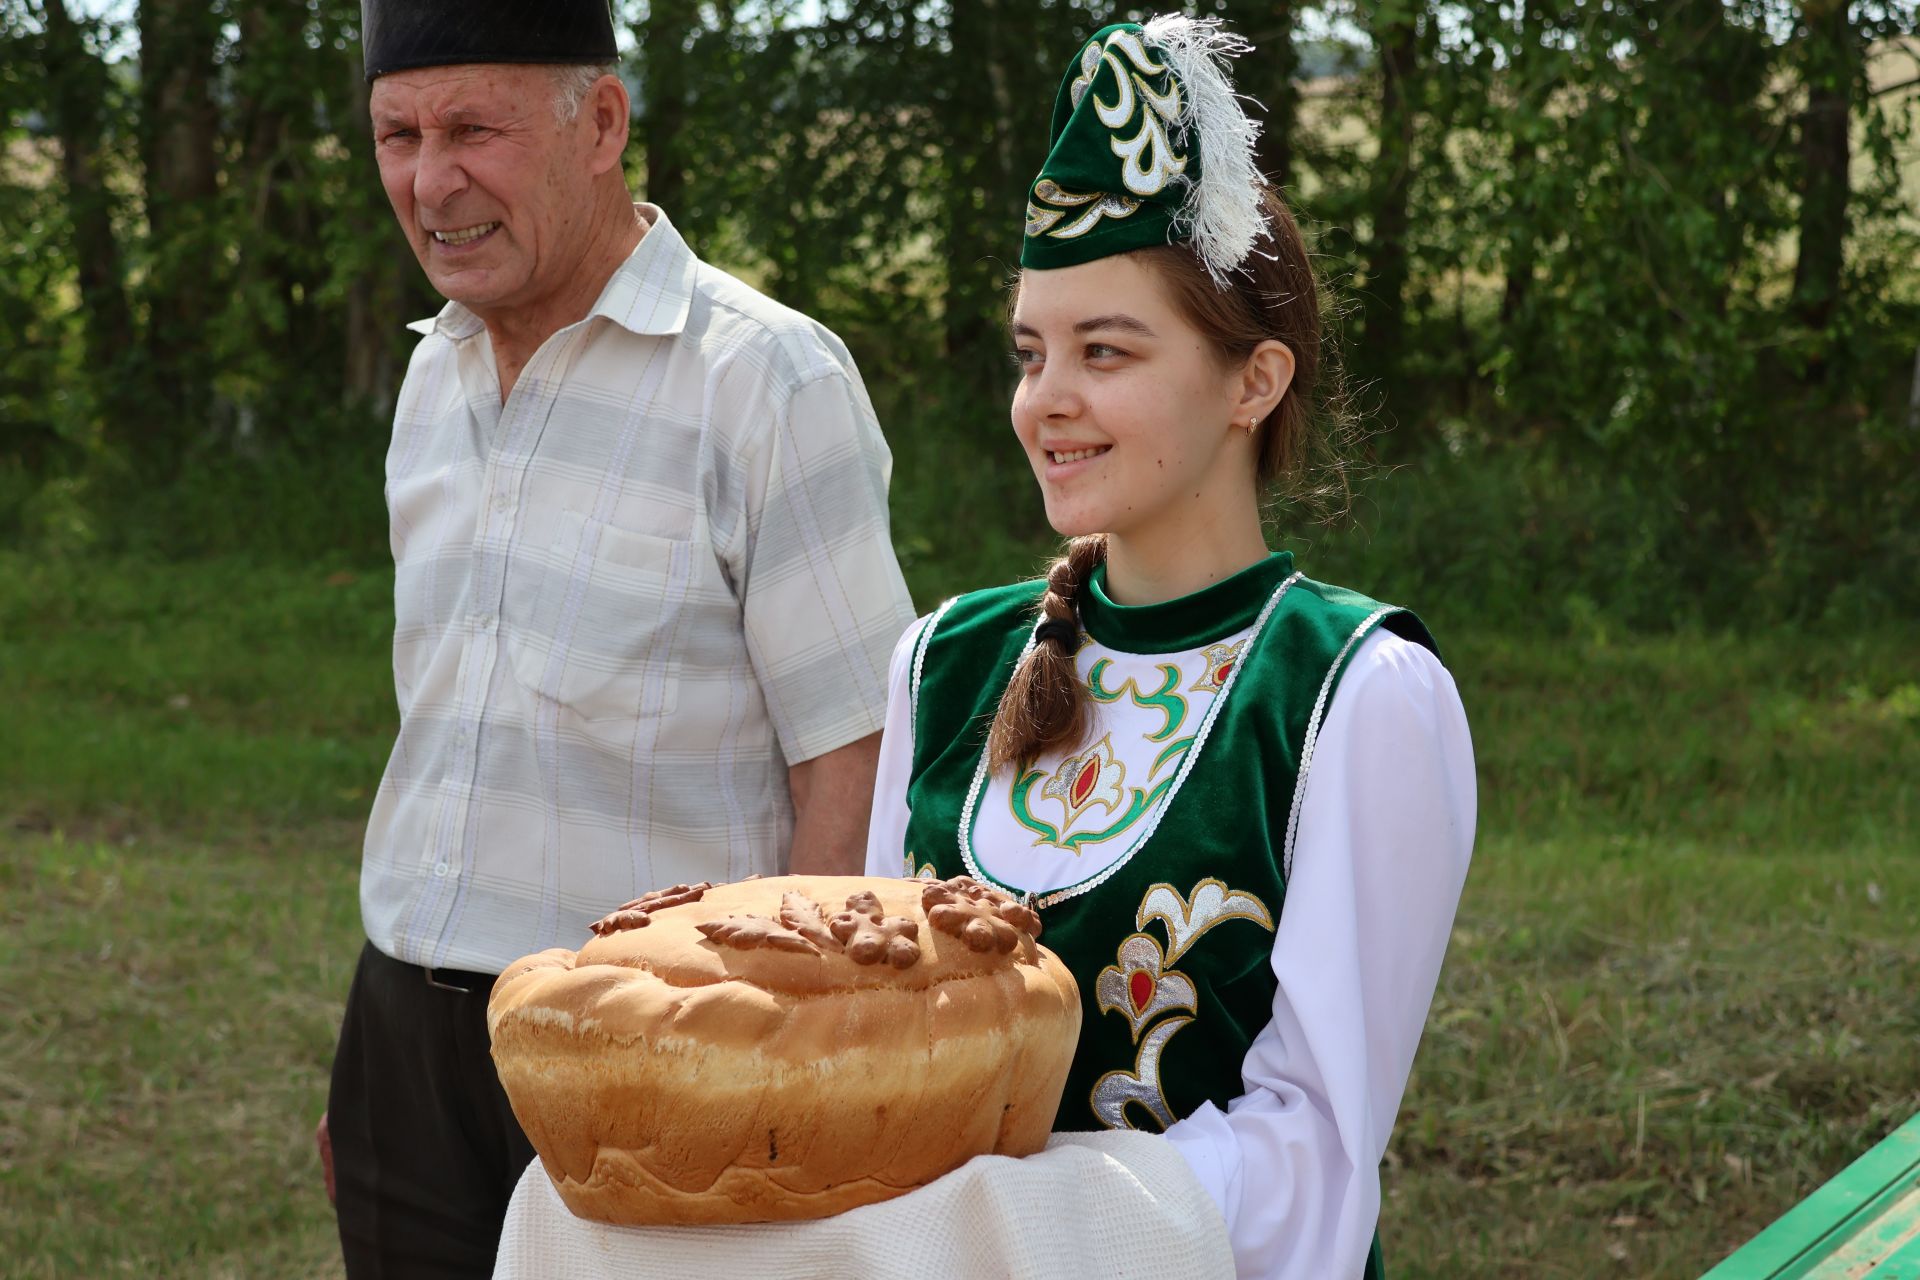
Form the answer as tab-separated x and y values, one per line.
1220	676
1083	785
1140	989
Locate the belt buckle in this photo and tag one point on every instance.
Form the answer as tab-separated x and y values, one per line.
444	986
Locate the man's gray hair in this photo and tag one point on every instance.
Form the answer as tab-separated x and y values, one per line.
571	84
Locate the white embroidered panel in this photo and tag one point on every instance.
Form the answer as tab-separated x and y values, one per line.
1072	814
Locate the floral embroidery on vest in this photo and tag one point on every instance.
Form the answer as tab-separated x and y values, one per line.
1187	918
1164	700
1096	777
1219	659
1092	777
1114	1090
1139	987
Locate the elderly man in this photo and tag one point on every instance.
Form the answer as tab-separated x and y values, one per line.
644	593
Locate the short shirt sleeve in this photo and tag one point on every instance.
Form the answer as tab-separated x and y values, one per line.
824	599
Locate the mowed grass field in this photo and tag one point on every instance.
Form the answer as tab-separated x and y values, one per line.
1680	995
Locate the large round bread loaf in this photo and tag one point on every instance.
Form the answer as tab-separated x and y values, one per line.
784	1048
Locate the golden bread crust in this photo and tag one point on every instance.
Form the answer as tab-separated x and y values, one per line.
733	1059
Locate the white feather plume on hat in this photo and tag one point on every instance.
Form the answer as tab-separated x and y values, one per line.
1222	212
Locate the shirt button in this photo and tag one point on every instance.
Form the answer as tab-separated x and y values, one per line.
486	621
440	868
502	500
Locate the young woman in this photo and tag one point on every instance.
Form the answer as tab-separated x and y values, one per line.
1241	801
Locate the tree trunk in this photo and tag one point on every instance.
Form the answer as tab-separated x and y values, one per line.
261	112
377	297
1267	75
1529	99
179	119
1913	395
1829	61
985	196
1710	72
178	126
1395	35
1520	242
663	87
77	84
268	177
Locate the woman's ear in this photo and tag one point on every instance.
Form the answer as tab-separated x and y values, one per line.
1264	379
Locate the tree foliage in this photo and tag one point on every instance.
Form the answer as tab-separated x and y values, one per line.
1666	246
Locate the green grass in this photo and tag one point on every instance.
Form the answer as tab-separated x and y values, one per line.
194	698
167	1016
1680	994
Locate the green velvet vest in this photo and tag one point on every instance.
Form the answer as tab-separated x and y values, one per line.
1172	946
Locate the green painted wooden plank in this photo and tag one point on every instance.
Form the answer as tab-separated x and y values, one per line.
1864	1222
1887	1247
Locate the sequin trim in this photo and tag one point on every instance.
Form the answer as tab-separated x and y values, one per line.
919	664
1313	736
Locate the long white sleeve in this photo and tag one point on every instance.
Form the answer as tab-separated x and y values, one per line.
1385	834
887	829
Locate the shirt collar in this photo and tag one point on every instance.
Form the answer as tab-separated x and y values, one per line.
650	293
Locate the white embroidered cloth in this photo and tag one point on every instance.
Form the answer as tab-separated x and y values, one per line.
1091	1204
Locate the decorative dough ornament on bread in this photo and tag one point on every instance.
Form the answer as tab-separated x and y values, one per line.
784	1048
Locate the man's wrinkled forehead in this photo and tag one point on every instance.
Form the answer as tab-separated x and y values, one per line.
465	93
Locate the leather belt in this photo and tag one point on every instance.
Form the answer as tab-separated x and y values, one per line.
459	980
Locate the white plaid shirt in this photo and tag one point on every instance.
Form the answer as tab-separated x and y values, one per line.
625	601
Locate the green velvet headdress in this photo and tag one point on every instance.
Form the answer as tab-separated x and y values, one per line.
1150	145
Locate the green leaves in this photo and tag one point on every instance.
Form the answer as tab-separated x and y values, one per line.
1588	225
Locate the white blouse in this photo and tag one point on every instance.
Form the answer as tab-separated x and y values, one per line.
1385	833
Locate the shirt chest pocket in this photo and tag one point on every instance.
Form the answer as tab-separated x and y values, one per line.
593	615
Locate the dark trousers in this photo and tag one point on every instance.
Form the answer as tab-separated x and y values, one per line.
426	1151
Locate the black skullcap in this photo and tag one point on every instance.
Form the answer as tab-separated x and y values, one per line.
401	34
